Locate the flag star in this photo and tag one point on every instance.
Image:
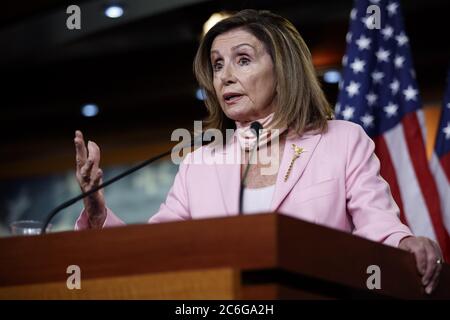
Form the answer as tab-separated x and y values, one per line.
387	32
377	76
348	112
353	14
382	55
367	120
353	88
368	22
391	109
392	8
446	131
348	37
371	98
398	61
448	105
363	43
395	85
357	65
410	93
402	39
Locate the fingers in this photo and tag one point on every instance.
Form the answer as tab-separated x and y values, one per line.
94	154
431	258
98	177
427	253
418	249
86	171
80	149
88	160
433	281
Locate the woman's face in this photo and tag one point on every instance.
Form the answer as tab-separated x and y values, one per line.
244	78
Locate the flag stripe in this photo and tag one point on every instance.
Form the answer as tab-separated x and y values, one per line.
387	171
443	187
415	208
440	161
445	165
425	178
422	127
379	91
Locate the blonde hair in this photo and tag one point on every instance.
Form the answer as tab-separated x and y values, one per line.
300	101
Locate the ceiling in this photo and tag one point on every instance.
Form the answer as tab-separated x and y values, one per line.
138	68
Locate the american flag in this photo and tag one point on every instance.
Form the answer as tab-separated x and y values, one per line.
440	161
379	91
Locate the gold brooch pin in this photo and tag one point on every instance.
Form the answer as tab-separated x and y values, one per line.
297	152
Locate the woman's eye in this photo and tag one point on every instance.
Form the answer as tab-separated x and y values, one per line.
217	66
244	61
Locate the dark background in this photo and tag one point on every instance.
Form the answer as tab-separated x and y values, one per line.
138	69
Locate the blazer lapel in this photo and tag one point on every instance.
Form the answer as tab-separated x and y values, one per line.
229	176
229	173
282	187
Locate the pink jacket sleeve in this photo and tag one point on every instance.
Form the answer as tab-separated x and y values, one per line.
111	220
176	206
374	212
173	209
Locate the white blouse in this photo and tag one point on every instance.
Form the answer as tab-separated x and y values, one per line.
258	200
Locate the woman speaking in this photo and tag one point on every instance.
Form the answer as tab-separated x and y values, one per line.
254	66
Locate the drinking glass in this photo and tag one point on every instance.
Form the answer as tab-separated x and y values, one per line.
27	227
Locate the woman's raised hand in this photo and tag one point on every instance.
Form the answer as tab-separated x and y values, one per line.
89	175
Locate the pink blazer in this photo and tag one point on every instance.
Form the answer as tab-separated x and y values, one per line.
335	182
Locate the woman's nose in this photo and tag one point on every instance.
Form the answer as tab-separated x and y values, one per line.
227	75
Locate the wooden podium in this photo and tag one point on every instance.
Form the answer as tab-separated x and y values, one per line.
266	256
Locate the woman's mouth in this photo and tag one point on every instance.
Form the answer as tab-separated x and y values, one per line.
232	98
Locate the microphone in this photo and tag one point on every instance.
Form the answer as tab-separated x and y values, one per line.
114	179
255	127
